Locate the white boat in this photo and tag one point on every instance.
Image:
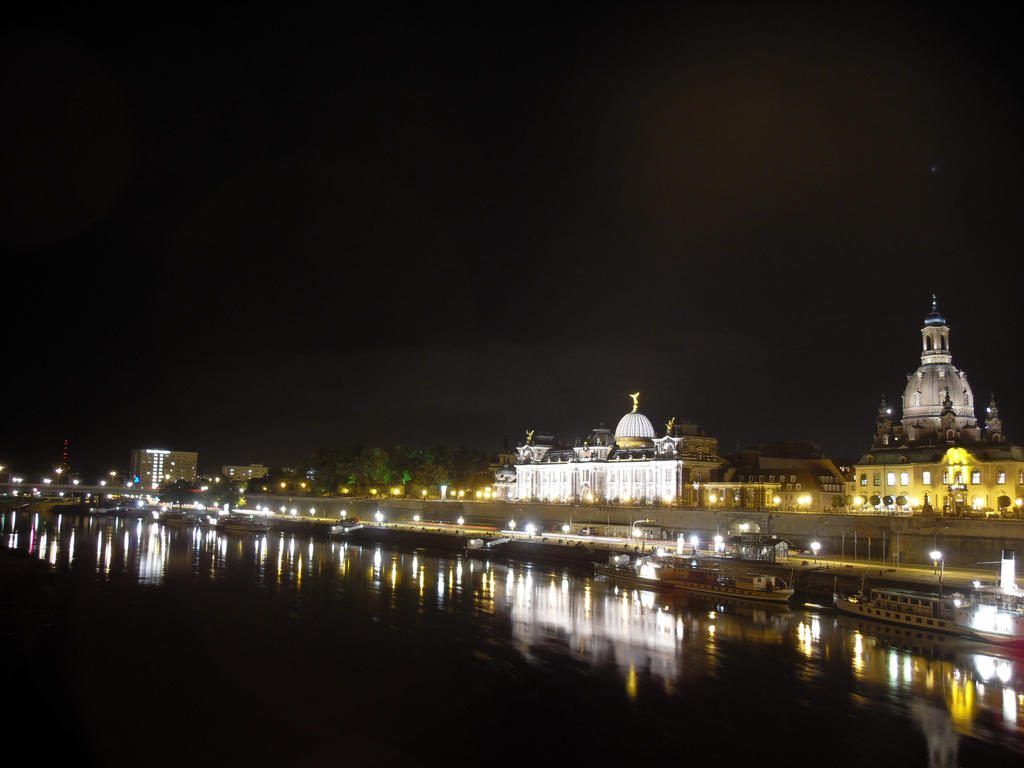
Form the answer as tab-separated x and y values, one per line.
342	527
985	615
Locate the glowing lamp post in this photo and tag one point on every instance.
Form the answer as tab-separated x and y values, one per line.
695	542
815	548
719	545
938	565
379	517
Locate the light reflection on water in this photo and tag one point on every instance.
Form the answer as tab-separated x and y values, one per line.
946	688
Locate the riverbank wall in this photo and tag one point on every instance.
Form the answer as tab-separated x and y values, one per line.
887	540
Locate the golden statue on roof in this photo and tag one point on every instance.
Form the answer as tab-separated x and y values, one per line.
668	427
636	401
529	436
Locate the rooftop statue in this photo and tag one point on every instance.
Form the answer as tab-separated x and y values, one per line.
636	401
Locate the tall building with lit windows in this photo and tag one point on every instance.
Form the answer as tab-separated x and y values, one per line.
633	465
153	467
938	457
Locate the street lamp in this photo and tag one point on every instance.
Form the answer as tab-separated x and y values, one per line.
695	541
719	544
937	565
379	517
815	547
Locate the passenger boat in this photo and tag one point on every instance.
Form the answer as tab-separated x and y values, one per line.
347	525
177	518
988	614
705	579
243	524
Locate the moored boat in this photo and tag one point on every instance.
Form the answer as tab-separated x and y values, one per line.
759	587
344	526
243	524
985	615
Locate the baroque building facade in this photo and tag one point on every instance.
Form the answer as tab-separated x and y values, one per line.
633	465
938	457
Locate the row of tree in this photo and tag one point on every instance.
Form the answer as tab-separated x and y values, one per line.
359	469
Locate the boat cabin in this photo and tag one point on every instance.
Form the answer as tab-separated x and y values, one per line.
908	601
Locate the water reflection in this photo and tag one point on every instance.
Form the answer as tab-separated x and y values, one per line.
946	688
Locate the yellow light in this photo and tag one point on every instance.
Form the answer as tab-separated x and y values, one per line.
282	485
858	501
914	501
957	456
777	499
423	492
712	498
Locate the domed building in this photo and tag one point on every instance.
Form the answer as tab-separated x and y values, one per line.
937	457
938	403
634	429
633	465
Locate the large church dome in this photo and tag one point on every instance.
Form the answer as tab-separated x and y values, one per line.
927	388
634	429
935	380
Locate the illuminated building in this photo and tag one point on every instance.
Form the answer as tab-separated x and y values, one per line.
938	457
244	472
632	465
155	466
786	475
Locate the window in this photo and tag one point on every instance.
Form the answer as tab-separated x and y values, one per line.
890	478
771	478
877	478
1001	477
863	478
958	477
975	477
798	486
926	477
945	477
904	478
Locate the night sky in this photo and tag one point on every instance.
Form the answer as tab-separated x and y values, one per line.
255	236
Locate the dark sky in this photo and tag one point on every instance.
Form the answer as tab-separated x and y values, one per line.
257	236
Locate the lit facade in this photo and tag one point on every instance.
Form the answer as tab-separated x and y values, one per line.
632	465
244	472
938	457
791	476
155	466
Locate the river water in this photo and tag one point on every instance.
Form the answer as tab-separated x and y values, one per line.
158	645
